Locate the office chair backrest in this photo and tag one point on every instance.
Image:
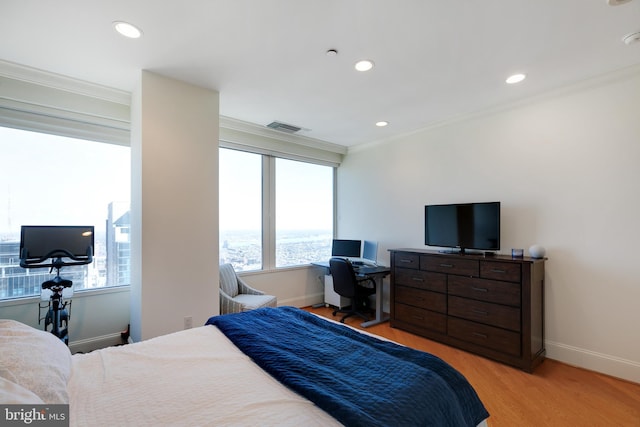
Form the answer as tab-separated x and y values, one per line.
344	277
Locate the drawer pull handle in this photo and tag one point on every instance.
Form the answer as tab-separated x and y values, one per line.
417	279
407	261
476	311
480	289
418	317
478	334
497	270
446	265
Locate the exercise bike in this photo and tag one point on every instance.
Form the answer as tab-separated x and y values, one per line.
56	247
57	315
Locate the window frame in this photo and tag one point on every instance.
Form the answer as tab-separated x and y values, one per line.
268	231
39	274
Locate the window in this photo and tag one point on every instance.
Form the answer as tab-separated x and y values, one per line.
274	212
55	180
240	198
304	212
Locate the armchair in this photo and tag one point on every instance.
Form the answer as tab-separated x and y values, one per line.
236	295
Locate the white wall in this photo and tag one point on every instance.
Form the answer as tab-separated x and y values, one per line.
97	316
174	205
298	286
566	169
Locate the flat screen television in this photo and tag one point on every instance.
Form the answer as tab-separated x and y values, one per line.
346	248
41	242
463	226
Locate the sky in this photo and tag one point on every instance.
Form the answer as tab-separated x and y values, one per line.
304	193
54	180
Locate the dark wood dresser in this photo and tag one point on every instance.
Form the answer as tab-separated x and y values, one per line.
489	305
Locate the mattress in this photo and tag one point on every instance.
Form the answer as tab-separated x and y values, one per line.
195	377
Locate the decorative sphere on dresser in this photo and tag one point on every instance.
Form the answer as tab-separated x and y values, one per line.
537	251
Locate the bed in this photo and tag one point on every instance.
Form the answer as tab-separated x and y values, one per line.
271	366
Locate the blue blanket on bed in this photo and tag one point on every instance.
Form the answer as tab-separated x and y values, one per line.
358	379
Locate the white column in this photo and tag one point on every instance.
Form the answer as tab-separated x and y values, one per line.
174	206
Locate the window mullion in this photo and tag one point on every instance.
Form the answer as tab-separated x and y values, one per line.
268	213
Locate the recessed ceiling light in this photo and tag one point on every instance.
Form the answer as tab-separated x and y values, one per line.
332	52
364	65
382	124
631	38
516	78
127	30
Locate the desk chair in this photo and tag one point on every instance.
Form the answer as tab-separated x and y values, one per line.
348	285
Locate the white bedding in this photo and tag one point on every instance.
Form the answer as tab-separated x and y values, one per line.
195	377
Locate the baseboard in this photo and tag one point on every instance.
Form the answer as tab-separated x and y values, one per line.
599	362
90	344
304	301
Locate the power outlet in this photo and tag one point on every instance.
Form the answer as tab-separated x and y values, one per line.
188	322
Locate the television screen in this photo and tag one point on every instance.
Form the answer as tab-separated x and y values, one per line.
463	225
40	242
346	248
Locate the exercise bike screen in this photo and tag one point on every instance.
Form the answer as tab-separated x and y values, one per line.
50	241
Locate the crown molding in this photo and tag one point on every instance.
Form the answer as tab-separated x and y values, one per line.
58	81
589	83
263	131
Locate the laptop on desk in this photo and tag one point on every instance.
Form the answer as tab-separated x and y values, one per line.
369	254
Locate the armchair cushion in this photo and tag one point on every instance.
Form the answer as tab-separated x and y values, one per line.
251	302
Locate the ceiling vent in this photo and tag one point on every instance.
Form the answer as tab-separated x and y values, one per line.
283	127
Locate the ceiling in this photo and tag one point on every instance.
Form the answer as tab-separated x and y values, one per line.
434	60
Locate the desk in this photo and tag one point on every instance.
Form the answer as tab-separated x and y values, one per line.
377	273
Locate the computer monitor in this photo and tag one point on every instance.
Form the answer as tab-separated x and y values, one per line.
346	248
370	251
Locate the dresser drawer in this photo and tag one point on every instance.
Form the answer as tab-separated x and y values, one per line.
498	315
508	271
421	279
486	336
406	260
419	317
485	290
424	299
463	267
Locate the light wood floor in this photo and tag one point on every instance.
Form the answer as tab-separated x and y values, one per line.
556	394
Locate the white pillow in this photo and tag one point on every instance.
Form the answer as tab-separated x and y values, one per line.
35	360
12	393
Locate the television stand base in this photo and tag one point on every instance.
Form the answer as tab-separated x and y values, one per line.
461	252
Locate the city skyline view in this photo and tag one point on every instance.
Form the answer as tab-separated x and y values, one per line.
243	248
55	180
